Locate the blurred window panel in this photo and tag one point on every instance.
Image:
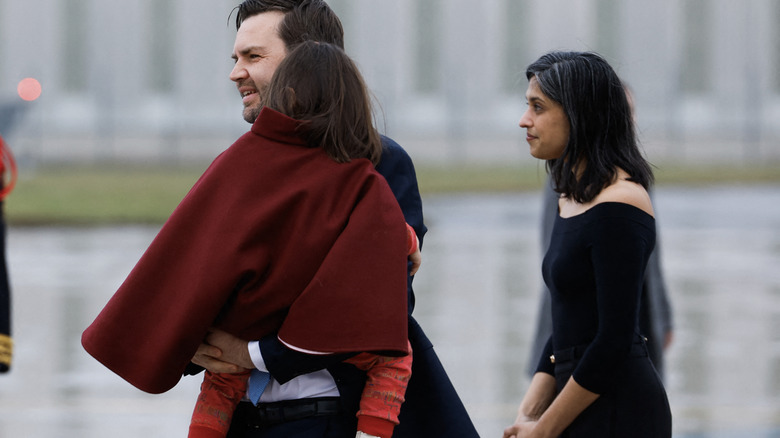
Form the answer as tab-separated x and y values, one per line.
428	45
775	47
161	41
2	37
696	65
517	56
75	45
607	29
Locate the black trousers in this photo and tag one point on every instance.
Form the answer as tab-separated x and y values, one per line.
342	425
636	406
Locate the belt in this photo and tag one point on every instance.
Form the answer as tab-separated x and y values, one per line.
637	349
269	414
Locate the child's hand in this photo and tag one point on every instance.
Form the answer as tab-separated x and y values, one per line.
416	259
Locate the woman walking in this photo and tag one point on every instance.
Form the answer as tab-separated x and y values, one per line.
595	378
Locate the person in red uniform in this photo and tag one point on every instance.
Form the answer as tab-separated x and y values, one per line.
7	166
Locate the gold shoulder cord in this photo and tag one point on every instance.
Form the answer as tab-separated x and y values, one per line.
6	348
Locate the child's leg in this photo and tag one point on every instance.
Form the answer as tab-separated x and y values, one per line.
218	398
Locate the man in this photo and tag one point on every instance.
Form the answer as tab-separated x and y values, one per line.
266	32
291	232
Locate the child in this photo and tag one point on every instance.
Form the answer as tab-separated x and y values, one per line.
380	404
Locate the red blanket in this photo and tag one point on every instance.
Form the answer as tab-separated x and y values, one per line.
275	236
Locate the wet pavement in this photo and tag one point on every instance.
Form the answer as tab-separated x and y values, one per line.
477	296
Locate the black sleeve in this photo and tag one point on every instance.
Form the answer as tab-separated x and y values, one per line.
284	364
619	254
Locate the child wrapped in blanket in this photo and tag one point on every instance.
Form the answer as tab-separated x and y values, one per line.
380	403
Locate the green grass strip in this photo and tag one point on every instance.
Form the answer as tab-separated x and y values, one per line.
134	194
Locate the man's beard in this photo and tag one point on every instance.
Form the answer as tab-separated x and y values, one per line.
251	113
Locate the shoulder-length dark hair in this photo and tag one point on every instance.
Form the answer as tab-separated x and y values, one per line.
320	85
602	135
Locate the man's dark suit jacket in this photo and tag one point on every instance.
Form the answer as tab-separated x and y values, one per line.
432	406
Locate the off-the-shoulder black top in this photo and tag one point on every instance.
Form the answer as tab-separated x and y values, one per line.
594	269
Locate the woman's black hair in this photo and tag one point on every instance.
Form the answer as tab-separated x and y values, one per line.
602	135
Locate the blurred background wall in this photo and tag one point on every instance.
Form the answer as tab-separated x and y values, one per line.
147	80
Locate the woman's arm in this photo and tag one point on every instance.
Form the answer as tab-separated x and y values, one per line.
537	399
542	414
570	403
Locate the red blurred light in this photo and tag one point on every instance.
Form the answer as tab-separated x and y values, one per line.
29	89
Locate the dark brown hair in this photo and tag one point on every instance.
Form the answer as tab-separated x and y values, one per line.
320	85
303	20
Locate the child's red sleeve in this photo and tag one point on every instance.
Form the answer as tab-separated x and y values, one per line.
411	240
218	398
387	378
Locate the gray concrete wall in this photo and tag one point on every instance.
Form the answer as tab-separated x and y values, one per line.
470	114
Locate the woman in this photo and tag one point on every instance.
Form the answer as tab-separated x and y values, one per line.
292	231
594	378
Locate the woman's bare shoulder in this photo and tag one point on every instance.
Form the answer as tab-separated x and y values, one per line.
627	192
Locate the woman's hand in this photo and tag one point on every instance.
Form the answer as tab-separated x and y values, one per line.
523	428
538	397
538	418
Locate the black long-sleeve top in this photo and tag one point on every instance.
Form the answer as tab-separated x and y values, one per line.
594	269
